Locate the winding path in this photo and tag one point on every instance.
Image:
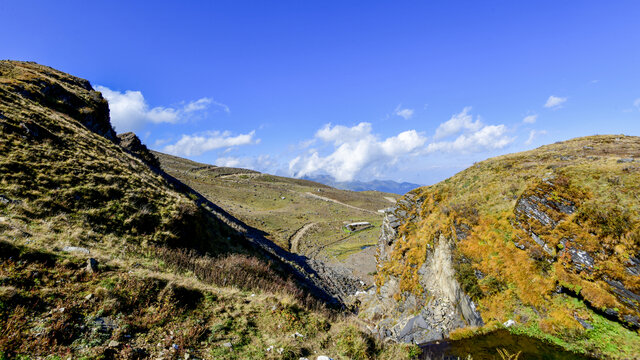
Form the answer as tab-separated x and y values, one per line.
340	203
295	238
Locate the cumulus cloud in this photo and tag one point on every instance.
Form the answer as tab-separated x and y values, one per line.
130	111
355	149
405	113
531	119
555	101
190	145
533	134
489	137
471	136
340	134
459	122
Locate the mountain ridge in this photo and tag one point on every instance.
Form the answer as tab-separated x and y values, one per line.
388	186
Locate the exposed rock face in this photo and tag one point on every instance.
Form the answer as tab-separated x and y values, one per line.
59	91
135	147
441	308
537	209
541	209
394	217
448	308
527	235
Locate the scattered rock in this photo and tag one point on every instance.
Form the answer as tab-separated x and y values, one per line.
509	323
6	200
76	249
633	265
582	322
297	335
114	343
581	259
227	345
7	293
92	265
324	357
103	324
622	161
633	320
88	297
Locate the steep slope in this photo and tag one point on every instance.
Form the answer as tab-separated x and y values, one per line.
549	238
66	182
102	254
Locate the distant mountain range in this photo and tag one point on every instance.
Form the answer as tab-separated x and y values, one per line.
388	186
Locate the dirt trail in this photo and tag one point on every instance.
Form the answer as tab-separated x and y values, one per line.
340	203
295	238
390	199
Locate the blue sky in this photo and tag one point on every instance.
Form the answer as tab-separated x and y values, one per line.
404	90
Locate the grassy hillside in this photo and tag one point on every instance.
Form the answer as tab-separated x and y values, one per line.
282	206
50	306
170	274
65	181
549	238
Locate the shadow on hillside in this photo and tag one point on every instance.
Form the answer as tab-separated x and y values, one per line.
288	263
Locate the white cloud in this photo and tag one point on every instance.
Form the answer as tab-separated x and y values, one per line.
459	122
636	103
530	119
355	150
405	113
198	105
265	163
130	111
555	101
228	161
473	136
489	137
190	145
340	134
533	134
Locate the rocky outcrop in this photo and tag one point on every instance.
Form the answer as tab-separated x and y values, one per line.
59	92
130	142
538	211
394	217
439	309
